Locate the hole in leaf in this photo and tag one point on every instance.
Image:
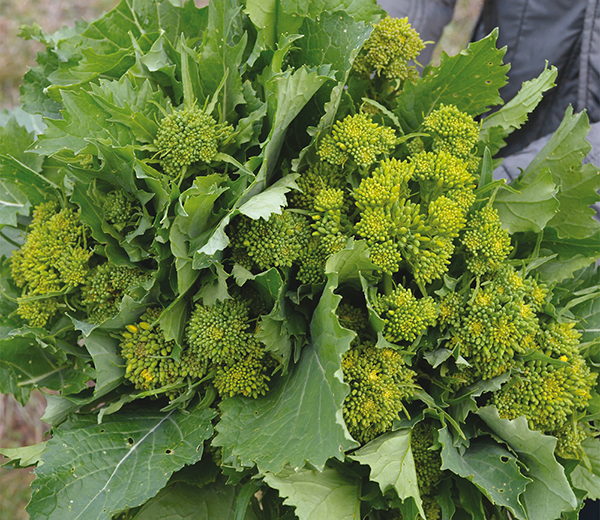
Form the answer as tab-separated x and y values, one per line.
102	431
501	490
130	441
169	452
504	459
488	81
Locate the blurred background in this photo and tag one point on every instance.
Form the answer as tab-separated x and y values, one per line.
20	425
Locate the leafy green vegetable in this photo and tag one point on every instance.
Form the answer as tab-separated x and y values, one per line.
240	227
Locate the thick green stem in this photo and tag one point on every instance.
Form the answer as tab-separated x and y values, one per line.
388	284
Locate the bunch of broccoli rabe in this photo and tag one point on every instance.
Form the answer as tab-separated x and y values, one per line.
200	237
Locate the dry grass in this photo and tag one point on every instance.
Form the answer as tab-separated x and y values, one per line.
16	55
20	426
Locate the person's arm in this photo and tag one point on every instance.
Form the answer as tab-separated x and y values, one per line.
427	17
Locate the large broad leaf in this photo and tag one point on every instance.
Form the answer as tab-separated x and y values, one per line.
499	125
392	465
92	471
318	495
492	468
27	362
586	476
309	399
532	207
549	494
181	501
470	80
578	184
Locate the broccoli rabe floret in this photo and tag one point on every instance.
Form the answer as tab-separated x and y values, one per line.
354	318
148	356
105	286
359	138
277	242
453	131
221	333
316	178
329	235
54	259
569	439
487	244
248	376
440	173
428	461
379	384
549	392
405	317
119	209
186	136
392	44
496	325
418	234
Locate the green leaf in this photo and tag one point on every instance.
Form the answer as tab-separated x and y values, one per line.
130	109
13	202
270	201
26	456
93	471
549	494
271	20
221	55
334	38
288	93
499	125
572	254
470	80
110	367
27	362
317	495
106	48
30	183
15	139
586	475
392	465
532	207
181	501
350	263
578	184
492	468
308	399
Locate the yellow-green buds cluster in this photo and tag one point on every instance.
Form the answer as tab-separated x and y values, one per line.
52	262
359	138
405	317
487	244
379	384
391	46
186	136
